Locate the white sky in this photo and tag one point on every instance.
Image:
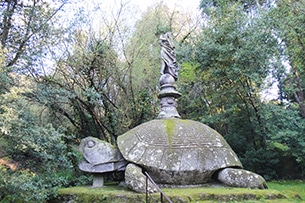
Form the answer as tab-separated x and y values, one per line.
184	4
135	7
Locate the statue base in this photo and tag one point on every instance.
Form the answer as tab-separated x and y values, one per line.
168	96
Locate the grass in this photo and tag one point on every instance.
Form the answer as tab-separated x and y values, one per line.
292	189
281	191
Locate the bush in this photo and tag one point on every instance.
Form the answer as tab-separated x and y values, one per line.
45	161
26	186
285	130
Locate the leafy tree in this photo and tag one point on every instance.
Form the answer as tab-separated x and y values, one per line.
285	128
233	56
247	4
238	49
27	31
288	19
86	84
143	55
142	62
40	149
98	92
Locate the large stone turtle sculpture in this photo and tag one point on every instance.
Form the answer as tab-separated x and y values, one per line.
177	152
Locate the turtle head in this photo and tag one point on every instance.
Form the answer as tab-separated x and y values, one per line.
97	151
87	144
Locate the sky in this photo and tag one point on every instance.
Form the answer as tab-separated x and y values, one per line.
184	4
135	7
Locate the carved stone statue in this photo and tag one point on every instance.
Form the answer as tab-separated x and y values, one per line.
169	64
169	75
173	151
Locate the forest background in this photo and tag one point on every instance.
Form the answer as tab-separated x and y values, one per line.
62	80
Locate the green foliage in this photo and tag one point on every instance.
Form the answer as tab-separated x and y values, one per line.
44	162
233	56
26	186
285	132
83	91
29	141
287	19
145	107
262	161
4	79
40	150
193	103
208	5
34	146
233	59
27	32
96	90
142	55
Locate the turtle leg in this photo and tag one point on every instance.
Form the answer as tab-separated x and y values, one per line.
241	178
136	180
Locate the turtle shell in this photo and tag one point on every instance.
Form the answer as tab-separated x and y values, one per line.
177	151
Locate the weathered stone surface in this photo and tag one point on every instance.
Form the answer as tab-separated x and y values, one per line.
102	168
111	194
173	152
98	180
169	63
176	151
136	180
241	178
100	156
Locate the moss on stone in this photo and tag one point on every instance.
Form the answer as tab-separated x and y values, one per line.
170	128
114	193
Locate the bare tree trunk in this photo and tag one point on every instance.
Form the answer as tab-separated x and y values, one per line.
7	20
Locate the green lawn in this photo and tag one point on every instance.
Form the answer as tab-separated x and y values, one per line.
281	191
290	189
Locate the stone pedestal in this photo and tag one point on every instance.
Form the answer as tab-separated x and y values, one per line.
98	180
168	96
